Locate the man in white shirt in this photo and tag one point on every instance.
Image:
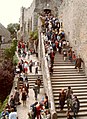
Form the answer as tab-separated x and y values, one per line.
13	115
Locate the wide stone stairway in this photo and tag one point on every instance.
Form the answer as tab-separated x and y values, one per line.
64	75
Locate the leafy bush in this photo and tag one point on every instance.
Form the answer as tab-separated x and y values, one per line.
6	81
10	52
34	35
3	105
7	71
15	60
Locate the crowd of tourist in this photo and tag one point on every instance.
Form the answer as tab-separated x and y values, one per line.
20	95
54	41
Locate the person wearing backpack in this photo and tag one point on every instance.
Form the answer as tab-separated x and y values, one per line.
12	103
69	93
4	114
34	110
75	106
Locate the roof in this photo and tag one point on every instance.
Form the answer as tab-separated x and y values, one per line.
4	31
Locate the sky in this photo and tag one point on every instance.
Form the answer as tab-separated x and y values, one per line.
10	10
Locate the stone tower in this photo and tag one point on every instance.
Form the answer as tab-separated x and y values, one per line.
29	16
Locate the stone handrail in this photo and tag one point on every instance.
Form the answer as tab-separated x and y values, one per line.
45	72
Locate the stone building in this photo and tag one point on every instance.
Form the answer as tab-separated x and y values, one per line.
29	16
4	34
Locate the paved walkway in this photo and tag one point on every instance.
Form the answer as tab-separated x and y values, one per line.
23	110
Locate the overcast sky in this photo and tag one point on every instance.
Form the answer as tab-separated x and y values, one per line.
10	10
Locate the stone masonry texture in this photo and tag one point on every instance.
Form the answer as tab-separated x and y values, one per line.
74	17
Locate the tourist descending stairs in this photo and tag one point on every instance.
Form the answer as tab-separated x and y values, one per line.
64	75
31	80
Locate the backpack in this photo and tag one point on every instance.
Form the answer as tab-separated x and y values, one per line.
12	103
34	110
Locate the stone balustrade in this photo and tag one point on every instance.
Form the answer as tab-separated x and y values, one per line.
45	72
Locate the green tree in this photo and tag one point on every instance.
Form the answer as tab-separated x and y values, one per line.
10	52
34	35
13	28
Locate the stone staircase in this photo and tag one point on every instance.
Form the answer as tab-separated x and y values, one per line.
64	75
31	79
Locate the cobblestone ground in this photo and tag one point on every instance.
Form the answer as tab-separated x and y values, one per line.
23	110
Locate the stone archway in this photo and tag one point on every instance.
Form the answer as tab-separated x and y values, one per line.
47	10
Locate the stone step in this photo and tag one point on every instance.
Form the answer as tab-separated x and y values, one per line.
76	74
64	67
68	82
64	75
62	62
79	79
82	105
55	69
72	85
66	64
60	76
81	97
76	93
73	88
65	109
34	76
68	72
30	86
63	116
82	109
67	77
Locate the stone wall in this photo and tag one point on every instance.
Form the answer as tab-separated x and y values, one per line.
47	4
74	17
27	20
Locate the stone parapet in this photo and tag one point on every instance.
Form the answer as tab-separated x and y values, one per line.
45	72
